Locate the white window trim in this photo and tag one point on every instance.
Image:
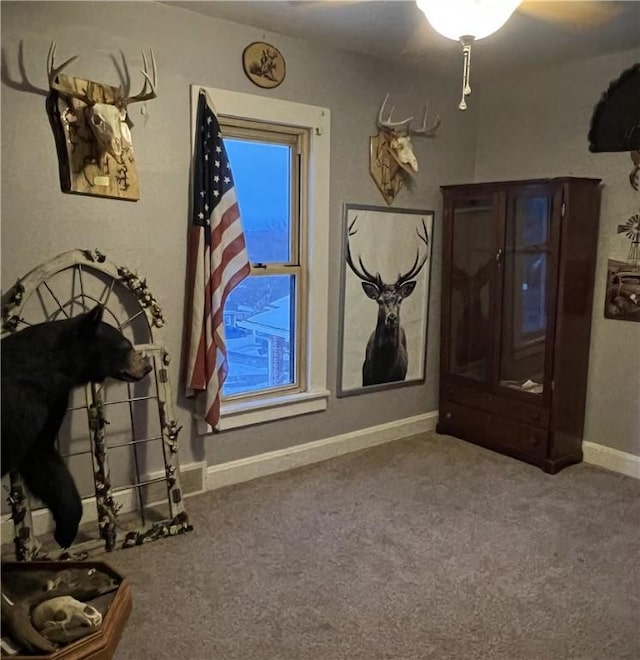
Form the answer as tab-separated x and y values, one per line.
234	414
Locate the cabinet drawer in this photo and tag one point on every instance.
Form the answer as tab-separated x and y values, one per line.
508	407
493	431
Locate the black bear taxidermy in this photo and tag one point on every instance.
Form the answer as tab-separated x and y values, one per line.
40	367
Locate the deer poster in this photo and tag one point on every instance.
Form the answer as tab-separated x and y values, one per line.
384	302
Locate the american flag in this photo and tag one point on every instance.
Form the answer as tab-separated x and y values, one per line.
217	261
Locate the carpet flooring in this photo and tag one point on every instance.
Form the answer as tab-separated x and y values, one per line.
428	547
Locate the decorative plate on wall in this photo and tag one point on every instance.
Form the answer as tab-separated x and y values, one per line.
263	64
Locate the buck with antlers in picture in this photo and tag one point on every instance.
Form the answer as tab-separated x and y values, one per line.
386	357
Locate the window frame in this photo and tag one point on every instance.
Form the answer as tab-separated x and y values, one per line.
316	120
295	266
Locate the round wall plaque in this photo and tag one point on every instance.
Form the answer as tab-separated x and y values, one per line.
263	64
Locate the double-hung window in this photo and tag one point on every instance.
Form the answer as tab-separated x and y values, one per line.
276	319
264	315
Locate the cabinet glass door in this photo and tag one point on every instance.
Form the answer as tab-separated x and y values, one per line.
525	268
472	262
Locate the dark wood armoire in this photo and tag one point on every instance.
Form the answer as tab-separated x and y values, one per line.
517	289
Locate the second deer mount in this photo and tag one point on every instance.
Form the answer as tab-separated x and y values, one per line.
391	155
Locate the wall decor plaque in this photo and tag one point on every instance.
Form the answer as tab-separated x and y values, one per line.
263	64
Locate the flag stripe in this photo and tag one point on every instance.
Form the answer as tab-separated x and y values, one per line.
218	261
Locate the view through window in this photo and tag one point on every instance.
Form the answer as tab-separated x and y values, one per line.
262	318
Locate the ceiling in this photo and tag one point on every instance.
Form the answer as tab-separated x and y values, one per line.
397	30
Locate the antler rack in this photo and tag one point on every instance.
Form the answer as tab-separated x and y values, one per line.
404	126
147	92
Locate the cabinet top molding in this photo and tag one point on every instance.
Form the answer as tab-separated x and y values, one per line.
527	182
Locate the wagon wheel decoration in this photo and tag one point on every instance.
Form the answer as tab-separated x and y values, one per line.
120	440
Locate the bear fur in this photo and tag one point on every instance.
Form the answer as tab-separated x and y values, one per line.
40	367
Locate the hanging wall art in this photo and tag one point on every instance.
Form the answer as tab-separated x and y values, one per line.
622	300
263	64
91	127
384	301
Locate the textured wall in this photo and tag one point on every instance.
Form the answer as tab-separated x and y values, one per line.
39	222
535	124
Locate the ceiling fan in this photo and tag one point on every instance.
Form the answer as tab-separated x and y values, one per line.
578	13
467	21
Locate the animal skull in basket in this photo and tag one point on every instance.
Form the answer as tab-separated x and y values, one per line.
65	619
92	128
391	157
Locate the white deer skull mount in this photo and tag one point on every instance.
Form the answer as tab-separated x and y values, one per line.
391	152
96	127
64	619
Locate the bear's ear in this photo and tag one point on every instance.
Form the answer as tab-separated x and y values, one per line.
93	317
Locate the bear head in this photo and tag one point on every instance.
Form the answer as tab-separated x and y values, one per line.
99	351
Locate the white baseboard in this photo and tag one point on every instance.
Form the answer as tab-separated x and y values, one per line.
253	467
611	459
245	469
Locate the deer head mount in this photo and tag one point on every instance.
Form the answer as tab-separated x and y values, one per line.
386	358
391	152
91	120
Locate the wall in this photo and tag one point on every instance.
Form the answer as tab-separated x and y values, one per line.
546	116
149	236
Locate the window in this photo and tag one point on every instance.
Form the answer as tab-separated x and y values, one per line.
276	319
264	324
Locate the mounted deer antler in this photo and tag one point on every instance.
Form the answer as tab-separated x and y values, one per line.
107	120
400	145
147	92
405	124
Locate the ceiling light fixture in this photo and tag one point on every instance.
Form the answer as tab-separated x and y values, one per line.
467	21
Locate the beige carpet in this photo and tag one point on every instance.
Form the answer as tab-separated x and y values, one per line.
423	548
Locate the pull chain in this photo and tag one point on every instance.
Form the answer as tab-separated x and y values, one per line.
466	72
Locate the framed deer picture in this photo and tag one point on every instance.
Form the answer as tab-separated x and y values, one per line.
384	298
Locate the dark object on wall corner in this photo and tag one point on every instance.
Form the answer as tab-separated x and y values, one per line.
615	123
263	64
518	256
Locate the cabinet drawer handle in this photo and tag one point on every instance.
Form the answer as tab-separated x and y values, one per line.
535	415
448	415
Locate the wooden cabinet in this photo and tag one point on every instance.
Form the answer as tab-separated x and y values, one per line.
517	288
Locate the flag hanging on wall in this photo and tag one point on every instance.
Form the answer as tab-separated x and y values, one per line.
217	261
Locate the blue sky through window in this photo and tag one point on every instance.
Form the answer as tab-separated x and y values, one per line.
262	176
259	315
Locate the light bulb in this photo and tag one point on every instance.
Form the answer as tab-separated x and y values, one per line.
467	18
